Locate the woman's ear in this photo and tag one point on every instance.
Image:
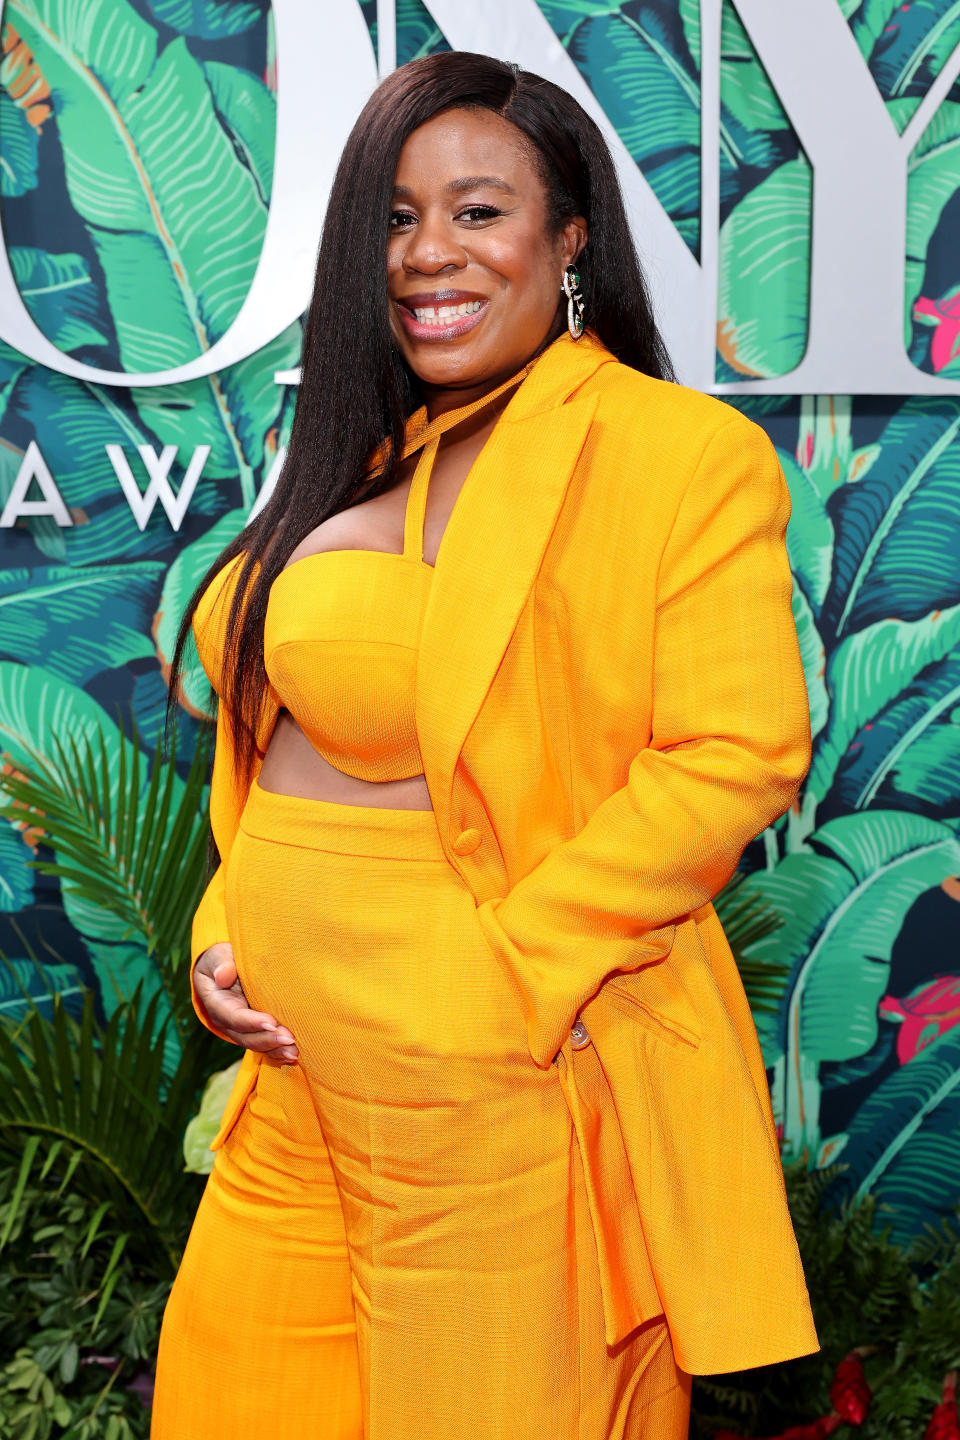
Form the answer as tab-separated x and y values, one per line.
574	236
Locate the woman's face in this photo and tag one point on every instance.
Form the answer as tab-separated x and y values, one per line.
473	271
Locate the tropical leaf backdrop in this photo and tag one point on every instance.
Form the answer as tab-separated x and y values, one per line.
136	146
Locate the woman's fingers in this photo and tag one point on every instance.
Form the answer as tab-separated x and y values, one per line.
263	1043
227	1009
225	973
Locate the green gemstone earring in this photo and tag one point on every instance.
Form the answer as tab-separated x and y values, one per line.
571	288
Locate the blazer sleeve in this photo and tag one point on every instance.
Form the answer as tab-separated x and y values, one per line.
729	748
226	804
227	790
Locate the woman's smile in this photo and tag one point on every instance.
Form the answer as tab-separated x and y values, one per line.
440	314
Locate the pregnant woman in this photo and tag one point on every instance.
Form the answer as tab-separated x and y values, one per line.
508	679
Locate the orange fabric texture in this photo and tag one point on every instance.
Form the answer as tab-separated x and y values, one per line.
259	1332
610	705
465	1239
342	658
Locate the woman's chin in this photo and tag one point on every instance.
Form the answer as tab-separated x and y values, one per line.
448	366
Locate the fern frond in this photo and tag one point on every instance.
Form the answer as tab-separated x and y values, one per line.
132	846
68	1089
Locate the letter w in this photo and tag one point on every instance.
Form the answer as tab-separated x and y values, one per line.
142	503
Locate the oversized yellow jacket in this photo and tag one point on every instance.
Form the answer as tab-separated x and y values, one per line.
610	707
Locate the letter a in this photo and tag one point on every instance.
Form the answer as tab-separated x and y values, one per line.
33	467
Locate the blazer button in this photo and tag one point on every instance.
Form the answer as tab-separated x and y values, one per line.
579	1037
466	842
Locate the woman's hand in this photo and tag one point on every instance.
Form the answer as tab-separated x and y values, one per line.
219	992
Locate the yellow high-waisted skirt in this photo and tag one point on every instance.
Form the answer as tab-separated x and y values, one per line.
394	1243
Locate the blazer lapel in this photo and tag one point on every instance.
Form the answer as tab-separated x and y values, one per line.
491	551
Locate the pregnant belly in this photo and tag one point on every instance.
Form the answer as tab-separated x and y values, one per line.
375	961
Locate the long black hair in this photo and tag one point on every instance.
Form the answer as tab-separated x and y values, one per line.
357	390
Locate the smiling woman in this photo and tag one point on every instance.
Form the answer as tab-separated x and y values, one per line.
489	231
482	763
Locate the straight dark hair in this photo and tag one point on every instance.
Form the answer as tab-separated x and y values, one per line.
357	390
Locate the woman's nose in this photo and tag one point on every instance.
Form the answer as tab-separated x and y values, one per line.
433	247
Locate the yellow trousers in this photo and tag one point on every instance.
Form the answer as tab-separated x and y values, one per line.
395	1241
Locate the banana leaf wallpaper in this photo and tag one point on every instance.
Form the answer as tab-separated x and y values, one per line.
136	152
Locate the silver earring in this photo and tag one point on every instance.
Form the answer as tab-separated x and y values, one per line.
571	288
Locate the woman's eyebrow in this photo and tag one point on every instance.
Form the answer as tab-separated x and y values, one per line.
480	182
458	187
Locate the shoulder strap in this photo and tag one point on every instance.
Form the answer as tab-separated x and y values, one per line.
416	510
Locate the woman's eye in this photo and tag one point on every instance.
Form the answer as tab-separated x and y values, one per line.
472	214
475	213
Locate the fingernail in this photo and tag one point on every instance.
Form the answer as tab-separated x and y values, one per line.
291	1053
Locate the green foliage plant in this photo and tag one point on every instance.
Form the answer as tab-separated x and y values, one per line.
902	1306
95	1207
128	847
95	1202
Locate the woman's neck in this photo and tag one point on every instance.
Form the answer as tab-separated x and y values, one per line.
440	399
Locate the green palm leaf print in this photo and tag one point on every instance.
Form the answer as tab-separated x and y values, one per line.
85	620
175	214
845	899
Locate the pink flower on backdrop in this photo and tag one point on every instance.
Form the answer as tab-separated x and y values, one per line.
924	1016
944	316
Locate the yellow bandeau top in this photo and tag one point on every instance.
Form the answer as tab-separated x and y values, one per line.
340	647
342	632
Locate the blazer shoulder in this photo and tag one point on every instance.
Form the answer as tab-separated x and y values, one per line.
638	396
664	418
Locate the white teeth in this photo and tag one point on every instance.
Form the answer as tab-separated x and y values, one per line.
446	314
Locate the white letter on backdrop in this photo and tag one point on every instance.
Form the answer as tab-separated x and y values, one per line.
516	30
34	467
313	122
142	503
859	207
855	339
269	485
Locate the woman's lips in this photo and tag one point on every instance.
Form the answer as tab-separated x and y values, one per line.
436	325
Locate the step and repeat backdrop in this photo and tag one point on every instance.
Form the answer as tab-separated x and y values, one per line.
795	183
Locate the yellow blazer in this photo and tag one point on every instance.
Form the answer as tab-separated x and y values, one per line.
610	707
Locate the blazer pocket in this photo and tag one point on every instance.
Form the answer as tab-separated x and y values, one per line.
242	1089
655	994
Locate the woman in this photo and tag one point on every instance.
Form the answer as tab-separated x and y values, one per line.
508	678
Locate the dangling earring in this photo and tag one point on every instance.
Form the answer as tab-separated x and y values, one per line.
571	288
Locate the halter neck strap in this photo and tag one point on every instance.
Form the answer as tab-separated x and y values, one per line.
420	431
426	436
415	514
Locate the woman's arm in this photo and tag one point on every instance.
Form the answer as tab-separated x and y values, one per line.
210	918
729	749
217	995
